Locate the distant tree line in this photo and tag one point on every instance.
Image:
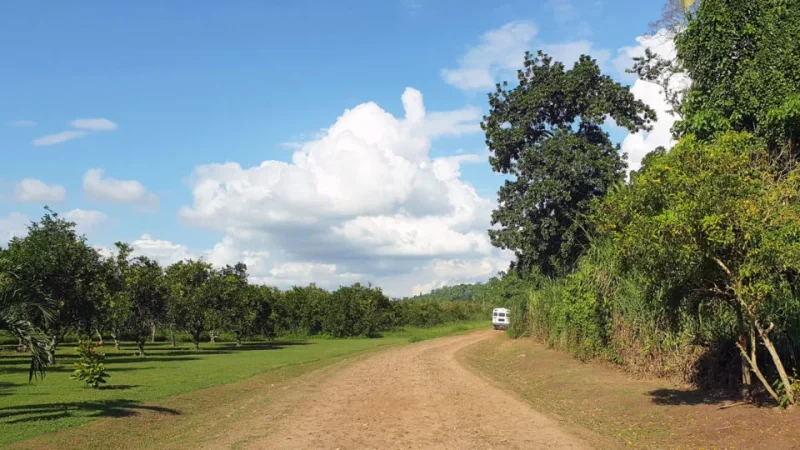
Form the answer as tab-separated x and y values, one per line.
52	283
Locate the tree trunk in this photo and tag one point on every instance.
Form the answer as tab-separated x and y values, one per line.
51	356
172	338
196	340
776	359
153	334
757	371
140	345
747	382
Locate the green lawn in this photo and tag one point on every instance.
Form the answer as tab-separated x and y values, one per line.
57	402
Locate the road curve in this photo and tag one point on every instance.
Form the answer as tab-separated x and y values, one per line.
415	396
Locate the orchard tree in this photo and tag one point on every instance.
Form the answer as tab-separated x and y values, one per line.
115	307
300	309
147	291
546	133
264	323
53	262
190	294
238	302
355	310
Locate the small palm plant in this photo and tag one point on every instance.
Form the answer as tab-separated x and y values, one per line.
17	307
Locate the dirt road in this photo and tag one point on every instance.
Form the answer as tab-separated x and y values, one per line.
415	396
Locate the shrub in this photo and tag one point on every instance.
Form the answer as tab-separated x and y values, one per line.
89	368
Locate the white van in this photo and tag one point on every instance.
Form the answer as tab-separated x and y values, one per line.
500	318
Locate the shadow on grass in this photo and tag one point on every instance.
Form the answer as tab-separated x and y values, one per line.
688	397
95	409
67	368
5	388
118	387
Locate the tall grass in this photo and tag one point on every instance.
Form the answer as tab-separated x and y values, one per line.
604	311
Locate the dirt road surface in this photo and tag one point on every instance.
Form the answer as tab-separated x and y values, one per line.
415	396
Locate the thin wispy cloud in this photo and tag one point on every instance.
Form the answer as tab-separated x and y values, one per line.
58	138
413	7
566	15
82	127
499	50
94	124
21	123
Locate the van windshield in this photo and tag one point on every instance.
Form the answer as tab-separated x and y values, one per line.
502	314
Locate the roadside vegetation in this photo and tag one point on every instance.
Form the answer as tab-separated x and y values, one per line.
690	266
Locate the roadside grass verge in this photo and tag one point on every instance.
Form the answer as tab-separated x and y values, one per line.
632	413
57	402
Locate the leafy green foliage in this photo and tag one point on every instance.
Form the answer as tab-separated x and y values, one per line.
192	297
300	310
355	310
743	57
17	306
53	262
546	132
89	367
785	398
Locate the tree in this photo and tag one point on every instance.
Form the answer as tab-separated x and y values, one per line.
55	263
546	132
355	310
300	309
147	290
722	221
743	57
115	308
239	302
264	323
190	294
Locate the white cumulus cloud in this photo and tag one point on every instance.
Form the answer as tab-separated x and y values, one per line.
31	190
86	221
637	145
106	189
364	202
164	252
13	225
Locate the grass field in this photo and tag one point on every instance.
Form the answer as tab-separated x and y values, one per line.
57	402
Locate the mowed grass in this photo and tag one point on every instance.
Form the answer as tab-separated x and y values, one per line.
58	402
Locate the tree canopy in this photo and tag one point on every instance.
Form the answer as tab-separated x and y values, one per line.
546	133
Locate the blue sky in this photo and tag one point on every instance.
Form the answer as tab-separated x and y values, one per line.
183	84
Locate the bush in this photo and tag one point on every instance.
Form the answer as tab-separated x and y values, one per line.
89	368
